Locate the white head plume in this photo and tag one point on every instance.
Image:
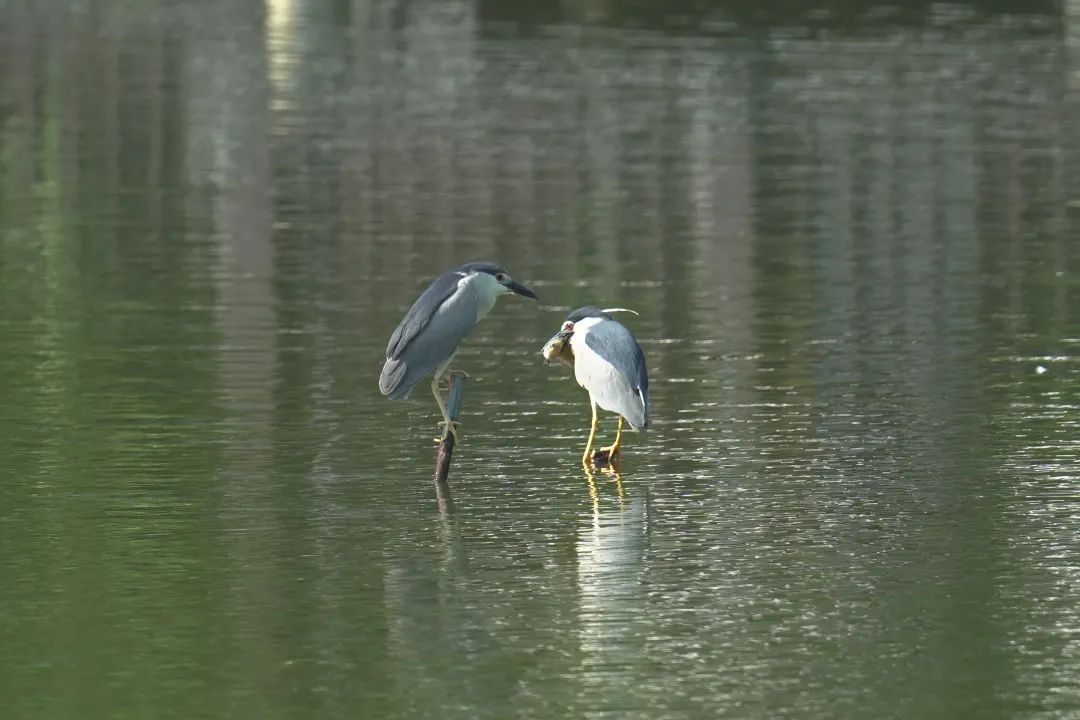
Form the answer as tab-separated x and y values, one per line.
613	310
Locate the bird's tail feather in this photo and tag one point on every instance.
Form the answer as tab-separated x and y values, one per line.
643	398
392	379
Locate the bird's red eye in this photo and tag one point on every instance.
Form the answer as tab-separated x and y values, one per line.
501	277
568	325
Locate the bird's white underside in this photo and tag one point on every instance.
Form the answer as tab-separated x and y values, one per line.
607	387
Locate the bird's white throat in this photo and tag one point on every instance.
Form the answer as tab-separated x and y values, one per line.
485	287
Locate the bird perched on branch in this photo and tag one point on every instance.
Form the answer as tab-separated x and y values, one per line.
428	337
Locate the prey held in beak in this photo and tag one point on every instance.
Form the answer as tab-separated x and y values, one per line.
558	348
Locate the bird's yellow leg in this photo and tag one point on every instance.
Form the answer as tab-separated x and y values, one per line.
587	457
613	449
450	427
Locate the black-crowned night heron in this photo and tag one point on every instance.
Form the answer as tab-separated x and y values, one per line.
429	335
607	362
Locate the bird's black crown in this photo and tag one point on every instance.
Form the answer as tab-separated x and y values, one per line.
588	311
481	266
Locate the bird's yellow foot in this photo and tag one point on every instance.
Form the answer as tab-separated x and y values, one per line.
446	380
606	455
449	428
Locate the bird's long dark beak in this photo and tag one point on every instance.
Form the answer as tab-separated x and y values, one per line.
521	289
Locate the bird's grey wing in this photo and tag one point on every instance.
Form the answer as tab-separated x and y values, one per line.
421	312
428	335
616	345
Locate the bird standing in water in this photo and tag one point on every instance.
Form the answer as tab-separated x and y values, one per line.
609	364
428	336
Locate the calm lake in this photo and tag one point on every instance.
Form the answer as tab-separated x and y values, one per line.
850	231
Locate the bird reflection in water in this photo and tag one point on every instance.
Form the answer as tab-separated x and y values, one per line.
609	476
611	549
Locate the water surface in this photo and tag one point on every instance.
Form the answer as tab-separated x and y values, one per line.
851	240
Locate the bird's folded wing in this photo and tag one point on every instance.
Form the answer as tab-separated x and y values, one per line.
429	335
421	312
613	343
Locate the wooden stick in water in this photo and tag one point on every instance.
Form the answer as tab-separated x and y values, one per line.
446	447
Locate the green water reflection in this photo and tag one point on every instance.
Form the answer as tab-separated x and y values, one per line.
850	238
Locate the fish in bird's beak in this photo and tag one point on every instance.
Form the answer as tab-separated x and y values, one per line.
558	348
521	289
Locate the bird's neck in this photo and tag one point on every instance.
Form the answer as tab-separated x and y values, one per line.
582	328
485	288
